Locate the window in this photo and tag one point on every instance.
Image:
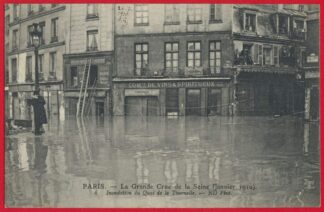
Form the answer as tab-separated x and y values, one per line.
172	14
258	53
54	5
15	39
42	29
54	30
14	70
74	76
41	64
92	40
92	10
267	55
215	13
141	58
15	12
52	68
141	14
30	9
7	24
29	37
28	76
250	22
193	54
283	24
194	13
215	57
171	56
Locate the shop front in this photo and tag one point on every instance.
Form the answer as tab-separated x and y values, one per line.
172	97
99	66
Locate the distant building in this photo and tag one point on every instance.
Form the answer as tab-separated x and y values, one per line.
311	66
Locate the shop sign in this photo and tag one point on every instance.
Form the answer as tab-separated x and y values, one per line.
173	84
142	92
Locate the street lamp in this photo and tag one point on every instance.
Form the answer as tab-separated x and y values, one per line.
35	35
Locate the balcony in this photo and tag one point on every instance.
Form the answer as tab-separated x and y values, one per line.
298	34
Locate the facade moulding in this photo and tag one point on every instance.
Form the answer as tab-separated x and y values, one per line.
51	45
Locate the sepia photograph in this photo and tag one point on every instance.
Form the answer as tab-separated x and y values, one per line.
161	105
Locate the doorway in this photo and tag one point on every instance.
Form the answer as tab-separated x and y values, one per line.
193	102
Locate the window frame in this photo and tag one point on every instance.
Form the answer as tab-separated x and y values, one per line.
172	52
213	15
194	54
14	71
52	64
29	67
215	58
15	39
92	32
54	29
254	14
142	16
174	13
141	53
194	8
95	13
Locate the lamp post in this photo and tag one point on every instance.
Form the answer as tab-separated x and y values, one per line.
35	38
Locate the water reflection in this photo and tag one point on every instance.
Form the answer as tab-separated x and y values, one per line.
280	157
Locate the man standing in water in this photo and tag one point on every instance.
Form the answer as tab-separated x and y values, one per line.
40	118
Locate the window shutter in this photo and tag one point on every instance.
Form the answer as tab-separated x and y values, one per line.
274	20
276	55
256	54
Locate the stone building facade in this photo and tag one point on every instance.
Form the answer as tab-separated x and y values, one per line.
90	38
172	61
21	57
269	44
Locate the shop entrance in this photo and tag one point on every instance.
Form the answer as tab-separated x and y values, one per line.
193	102
141	106
214	102
100	108
172	101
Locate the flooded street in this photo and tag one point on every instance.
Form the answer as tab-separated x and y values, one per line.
270	162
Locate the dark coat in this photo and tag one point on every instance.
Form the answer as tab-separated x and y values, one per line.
39	110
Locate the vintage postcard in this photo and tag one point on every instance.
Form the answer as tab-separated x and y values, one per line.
161	105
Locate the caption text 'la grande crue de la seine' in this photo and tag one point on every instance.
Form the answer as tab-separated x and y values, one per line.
169	190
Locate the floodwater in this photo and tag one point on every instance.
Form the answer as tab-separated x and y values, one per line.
182	161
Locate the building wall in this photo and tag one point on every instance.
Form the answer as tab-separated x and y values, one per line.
124	16
50	87
125	50
80	24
